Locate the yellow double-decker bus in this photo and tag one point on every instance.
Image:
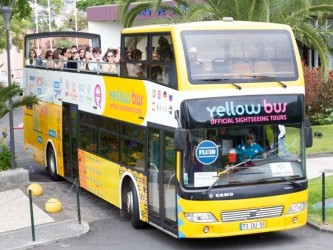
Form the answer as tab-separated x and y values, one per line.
199	130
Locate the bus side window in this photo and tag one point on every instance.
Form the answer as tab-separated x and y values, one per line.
163	68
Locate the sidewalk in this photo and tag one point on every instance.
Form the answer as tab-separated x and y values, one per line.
317	165
44	234
15	220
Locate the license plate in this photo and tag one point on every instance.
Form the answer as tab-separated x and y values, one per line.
252	225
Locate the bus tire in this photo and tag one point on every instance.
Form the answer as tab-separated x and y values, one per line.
124	210
133	207
51	164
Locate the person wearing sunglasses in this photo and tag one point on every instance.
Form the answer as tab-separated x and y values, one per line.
49	59
250	149
112	61
33	59
74	57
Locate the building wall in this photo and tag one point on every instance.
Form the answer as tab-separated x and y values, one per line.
104	20
109	32
16	63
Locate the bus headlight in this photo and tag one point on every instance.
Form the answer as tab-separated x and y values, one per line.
296	207
200	217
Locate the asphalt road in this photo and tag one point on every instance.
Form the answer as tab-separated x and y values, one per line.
116	233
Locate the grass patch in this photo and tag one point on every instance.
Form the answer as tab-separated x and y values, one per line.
315	196
320	145
323	144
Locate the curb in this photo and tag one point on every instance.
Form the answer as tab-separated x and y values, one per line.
319	227
46	234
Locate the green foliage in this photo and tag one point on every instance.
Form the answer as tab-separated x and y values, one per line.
84	4
5	158
17	101
315	196
318	95
19	23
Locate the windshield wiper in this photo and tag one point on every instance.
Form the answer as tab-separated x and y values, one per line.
270	78
221	80
294	183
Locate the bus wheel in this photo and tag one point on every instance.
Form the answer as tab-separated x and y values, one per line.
133	207
51	164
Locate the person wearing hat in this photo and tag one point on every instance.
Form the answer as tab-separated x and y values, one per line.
197	66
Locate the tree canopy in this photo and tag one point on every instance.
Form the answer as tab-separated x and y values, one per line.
20	21
305	17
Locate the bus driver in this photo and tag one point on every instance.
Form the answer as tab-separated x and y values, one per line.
250	149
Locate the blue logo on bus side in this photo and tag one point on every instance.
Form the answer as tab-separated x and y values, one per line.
39	139
206	152
52	133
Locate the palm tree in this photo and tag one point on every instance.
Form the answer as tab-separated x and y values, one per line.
14	90
127	16
300	15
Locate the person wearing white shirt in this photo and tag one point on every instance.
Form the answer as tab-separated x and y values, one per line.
135	69
281	140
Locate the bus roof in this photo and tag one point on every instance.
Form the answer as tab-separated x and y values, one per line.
207	25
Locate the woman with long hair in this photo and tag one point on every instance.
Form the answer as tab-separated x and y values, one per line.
57	59
32	57
49	59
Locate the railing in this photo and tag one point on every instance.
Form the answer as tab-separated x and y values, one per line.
92	66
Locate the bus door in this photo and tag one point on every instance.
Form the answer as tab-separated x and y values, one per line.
162	179
69	130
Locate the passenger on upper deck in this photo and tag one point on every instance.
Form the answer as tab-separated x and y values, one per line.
134	69
72	59
57	58
111	65
269	52
164	50
196	64
94	64
156	69
165	54
32	57
82	64
48	59
88	54
66	53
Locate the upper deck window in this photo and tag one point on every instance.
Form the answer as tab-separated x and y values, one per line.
150	56
239	56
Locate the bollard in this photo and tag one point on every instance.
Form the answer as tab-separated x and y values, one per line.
78	202
32	216
323	196
323	205
4	136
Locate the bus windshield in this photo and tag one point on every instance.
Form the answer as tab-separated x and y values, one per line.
245	155
239	55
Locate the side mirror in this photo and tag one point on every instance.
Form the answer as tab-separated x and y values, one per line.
179	141
308	133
